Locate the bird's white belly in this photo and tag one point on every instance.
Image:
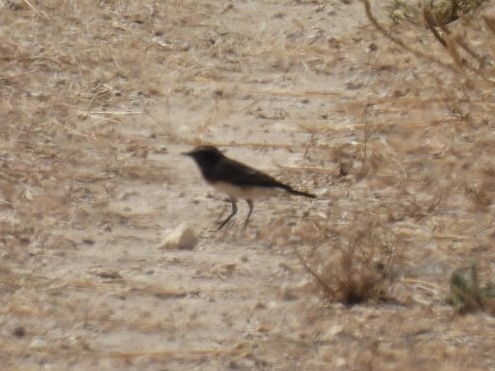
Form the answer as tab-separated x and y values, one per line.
246	192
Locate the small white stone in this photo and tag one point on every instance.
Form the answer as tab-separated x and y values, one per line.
182	238
333	331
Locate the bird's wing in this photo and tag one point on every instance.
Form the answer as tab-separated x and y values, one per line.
243	175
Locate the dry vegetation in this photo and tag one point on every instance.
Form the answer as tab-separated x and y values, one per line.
390	124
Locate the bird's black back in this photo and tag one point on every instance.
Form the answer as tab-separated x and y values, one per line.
216	167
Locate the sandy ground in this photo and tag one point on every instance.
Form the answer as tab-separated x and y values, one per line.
100	98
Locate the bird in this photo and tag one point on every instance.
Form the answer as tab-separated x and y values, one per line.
237	180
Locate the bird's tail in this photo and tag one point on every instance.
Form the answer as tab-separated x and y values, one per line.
301	193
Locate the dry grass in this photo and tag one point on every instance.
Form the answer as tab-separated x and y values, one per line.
429	186
392	129
422	188
425	187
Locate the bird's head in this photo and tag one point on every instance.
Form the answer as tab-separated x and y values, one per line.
205	155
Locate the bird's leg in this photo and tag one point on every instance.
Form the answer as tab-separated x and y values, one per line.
233	201
250	204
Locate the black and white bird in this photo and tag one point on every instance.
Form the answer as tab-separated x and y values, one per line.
237	180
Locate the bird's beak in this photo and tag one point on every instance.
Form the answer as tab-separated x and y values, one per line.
186	153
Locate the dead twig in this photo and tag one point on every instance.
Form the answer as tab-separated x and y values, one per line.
432	26
311	271
399	42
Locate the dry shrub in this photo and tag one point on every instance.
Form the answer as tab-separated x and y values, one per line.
399	10
349	276
444	11
420	183
354	263
447	163
469	51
